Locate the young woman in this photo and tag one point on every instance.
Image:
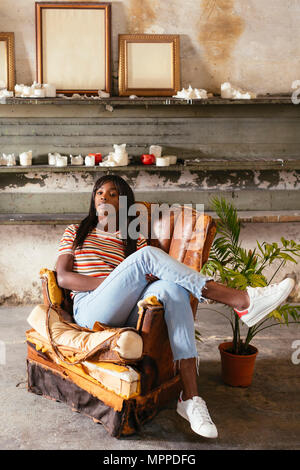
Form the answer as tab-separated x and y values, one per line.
108	275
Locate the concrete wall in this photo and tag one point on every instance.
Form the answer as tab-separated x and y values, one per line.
252	43
25	249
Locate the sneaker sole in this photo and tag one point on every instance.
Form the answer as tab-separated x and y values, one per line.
183	415
252	320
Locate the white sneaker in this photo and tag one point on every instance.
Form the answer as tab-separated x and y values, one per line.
264	300
196	412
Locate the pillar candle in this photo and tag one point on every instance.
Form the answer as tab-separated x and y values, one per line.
61	161
172	159
89	160
78	160
155	150
162	161
39	93
26	158
50	90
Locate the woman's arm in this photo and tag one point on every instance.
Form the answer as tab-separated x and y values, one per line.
67	279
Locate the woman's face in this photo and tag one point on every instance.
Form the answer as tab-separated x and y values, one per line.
107	201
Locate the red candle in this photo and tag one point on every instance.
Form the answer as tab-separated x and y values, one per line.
148	159
98	157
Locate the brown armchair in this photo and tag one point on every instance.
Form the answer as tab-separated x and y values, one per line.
188	240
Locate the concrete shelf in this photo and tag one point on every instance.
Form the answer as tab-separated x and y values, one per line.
201	165
148	101
70	218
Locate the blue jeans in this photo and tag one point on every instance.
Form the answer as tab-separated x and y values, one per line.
114	301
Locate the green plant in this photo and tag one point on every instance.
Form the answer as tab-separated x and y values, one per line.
233	265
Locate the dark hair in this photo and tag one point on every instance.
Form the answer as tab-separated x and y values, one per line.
91	221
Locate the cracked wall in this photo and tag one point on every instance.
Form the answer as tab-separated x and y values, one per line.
254	43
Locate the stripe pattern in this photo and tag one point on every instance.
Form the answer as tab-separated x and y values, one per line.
101	251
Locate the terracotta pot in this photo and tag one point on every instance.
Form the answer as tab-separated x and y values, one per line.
237	371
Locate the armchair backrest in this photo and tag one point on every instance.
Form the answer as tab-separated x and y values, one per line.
182	232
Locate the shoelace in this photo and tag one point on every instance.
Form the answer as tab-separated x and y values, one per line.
201	410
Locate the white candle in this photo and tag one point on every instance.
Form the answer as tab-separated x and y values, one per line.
61	160
78	160
155	150
39	92
226	91
10	159
50	90
19	89
89	160
162	161
26	91
51	159
26	158
172	159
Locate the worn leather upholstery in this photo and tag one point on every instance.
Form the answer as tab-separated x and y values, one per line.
187	236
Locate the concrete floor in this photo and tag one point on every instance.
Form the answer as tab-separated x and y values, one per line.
263	416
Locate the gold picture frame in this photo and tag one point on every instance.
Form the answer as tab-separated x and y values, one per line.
73	46
7	61
149	64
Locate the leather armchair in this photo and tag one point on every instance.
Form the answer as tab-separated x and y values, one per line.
186	235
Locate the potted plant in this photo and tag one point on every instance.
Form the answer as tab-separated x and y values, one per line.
237	267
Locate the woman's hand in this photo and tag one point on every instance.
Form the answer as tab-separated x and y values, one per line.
151	278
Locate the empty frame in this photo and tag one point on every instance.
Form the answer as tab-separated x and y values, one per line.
7	61
149	64
73	46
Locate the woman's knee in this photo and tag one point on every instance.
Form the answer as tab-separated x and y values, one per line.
166	290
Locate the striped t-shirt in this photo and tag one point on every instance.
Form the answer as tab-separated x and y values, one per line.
100	254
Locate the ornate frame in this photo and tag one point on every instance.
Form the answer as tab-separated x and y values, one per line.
46	52
129	56
9	39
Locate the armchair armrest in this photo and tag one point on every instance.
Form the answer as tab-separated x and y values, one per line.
54	295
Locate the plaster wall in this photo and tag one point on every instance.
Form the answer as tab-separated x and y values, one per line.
251	43
25	249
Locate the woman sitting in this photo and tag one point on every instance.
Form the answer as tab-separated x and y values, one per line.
108	274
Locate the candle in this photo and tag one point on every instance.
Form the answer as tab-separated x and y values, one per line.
10	159
89	160
19	89
76	160
39	92
155	150
26	91
26	158
148	159
50	90
98	157
103	94
52	158
162	161
172	159
61	160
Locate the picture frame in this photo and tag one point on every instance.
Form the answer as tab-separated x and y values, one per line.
149	64
73	46
7	61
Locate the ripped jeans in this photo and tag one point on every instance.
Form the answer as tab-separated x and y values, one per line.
114	301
